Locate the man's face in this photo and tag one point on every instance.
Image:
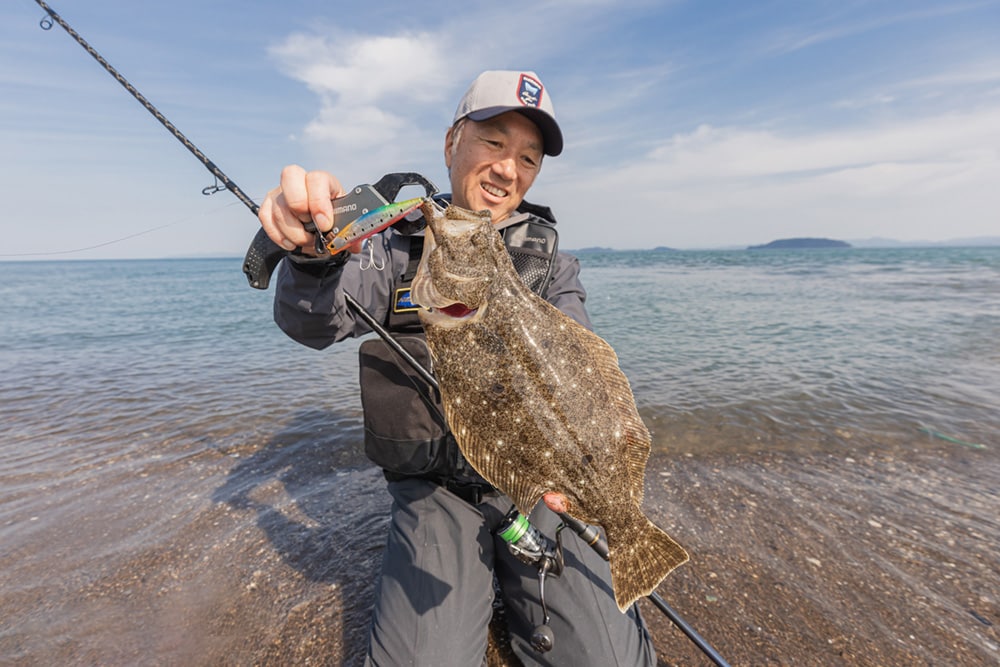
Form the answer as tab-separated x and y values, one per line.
493	162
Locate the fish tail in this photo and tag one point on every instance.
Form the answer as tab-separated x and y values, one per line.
640	561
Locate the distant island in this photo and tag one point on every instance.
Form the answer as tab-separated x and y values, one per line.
782	244
805	242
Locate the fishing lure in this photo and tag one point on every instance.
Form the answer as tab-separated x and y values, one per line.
371	223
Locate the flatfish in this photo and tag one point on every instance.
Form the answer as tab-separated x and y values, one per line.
537	402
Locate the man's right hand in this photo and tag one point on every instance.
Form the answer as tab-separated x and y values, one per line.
303	196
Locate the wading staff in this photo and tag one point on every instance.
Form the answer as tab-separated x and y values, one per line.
585	531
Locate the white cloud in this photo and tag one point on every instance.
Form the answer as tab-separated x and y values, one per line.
972	73
840	24
369	86
732	185
727	153
374	88
366	68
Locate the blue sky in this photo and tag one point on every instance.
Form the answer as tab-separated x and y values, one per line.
688	124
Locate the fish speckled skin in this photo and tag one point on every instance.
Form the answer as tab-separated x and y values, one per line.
537	402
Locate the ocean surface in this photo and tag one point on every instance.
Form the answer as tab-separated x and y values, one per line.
159	435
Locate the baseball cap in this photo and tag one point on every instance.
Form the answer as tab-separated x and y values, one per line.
498	91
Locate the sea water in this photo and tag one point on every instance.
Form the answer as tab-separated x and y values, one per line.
155	424
802	347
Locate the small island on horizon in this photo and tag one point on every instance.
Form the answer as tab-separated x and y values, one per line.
810	242
801	243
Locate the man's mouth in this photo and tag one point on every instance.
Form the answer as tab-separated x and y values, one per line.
494	190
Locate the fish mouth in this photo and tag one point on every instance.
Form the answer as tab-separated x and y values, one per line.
439	308
425	291
457	310
452	315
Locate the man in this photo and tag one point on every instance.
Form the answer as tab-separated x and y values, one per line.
434	599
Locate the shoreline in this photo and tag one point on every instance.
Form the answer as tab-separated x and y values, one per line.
866	557
880	556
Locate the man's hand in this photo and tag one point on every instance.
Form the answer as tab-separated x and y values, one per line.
557	502
300	198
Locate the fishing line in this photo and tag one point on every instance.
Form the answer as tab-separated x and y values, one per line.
104	244
352	303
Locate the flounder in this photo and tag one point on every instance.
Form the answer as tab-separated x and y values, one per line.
537	402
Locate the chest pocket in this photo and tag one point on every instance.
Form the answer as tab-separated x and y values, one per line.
405	431
532	247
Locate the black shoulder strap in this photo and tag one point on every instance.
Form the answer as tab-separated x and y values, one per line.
543	212
402	316
416	251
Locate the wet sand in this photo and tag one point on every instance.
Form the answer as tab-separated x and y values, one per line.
869	558
879	557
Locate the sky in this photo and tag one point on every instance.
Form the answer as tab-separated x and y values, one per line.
688	124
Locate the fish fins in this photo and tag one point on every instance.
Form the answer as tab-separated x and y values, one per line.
639	565
520	488
635	438
525	496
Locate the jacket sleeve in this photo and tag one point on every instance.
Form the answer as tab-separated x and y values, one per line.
566	291
313	311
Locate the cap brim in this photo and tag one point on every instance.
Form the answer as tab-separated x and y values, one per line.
547	125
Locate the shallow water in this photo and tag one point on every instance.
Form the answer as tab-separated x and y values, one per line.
797	348
179	482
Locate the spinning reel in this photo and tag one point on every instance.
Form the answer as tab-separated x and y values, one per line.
532	548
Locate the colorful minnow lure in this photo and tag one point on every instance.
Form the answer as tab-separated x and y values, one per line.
371	223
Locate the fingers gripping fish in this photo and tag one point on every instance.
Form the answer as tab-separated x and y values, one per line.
537	402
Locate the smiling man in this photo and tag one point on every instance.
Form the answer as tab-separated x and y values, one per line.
435	595
502	153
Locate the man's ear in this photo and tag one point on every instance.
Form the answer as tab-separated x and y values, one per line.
449	146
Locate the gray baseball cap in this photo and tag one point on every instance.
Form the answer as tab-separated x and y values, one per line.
498	91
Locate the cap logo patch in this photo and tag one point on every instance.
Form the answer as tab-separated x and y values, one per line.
529	91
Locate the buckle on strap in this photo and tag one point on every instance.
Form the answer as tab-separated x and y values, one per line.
470	492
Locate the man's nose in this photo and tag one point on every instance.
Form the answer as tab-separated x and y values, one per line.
505	168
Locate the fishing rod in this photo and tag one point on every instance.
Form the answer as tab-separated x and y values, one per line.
589	533
220	176
592	536
218	173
